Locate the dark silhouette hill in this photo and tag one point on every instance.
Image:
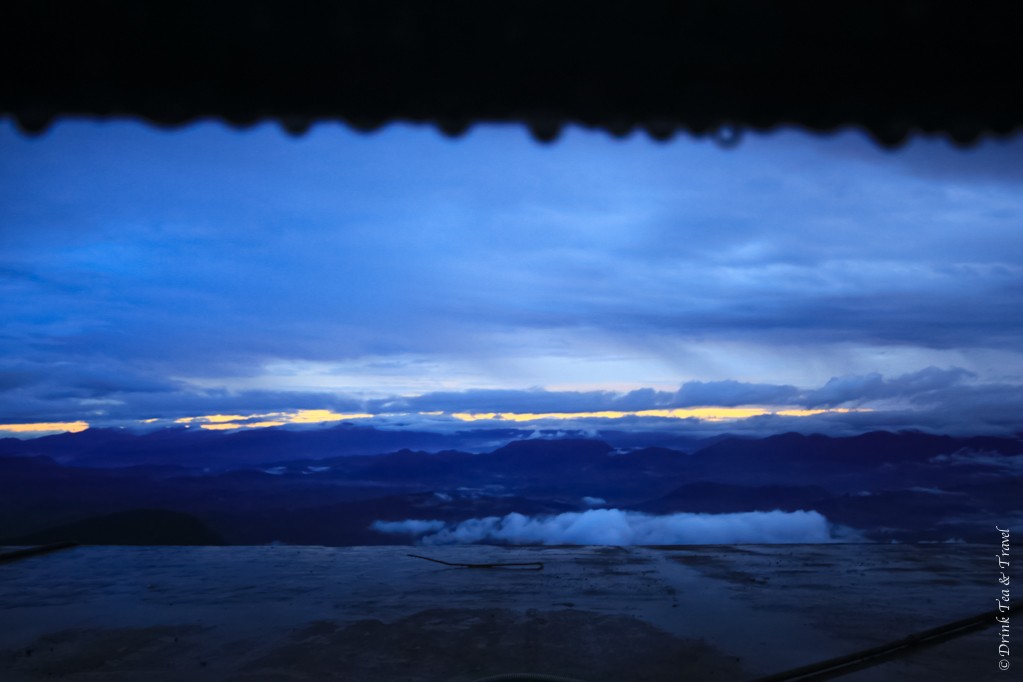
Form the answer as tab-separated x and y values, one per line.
888	485
221	450
838	463
195	447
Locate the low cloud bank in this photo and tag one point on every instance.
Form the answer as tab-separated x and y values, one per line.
617	527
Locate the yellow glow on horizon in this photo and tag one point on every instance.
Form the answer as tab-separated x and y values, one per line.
810	413
212	419
39	427
712	414
224	426
318	416
220	422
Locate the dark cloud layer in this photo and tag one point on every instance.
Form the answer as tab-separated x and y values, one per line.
922	387
146	274
932	399
919	387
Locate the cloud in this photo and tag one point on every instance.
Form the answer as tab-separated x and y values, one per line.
84	379
617	527
951	400
406	260
920	386
847	389
923	386
501	400
692	394
51	399
11	379
733	393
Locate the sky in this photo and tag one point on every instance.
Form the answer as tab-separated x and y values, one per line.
223	278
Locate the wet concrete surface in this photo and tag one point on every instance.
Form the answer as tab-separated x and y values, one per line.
596	613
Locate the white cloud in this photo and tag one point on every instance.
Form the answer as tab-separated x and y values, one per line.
617	527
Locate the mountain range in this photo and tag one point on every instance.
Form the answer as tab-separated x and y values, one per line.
328	486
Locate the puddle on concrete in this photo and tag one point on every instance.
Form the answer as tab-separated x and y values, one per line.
465	644
671	613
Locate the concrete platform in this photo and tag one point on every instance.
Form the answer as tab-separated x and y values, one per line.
282	613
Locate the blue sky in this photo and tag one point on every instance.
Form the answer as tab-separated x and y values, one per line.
154	274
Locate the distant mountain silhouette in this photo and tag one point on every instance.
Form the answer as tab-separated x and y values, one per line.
133	527
844	463
315	487
719	498
220	450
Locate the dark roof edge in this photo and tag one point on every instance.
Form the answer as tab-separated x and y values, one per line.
893	69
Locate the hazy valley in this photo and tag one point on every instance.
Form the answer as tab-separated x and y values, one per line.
324	487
